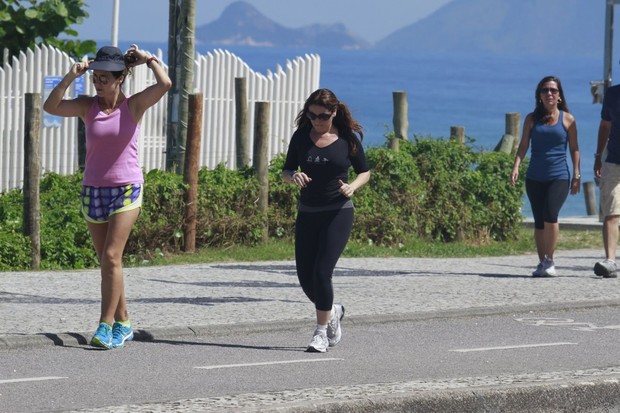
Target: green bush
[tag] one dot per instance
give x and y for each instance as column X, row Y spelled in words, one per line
column 282, row 202
column 227, row 208
column 14, row 247
column 431, row 189
column 438, row 190
column 496, row 205
column 160, row 225
column 65, row 241
column 467, row 195
column 227, row 212
column 388, row 206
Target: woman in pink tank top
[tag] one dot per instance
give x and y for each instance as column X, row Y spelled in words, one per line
column 112, row 185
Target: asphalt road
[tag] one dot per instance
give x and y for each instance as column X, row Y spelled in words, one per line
column 235, row 372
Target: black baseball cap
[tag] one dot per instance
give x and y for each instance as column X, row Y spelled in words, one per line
column 109, row 58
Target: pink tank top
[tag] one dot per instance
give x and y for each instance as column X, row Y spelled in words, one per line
column 111, row 147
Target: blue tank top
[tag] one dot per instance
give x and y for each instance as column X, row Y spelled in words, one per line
column 548, row 157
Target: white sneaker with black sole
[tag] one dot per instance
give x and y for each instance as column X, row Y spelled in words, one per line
column 319, row 343
column 334, row 330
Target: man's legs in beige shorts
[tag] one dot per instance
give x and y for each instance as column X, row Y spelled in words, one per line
column 610, row 207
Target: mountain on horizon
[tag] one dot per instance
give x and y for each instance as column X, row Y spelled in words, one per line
column 503, row 27
column 520, row 27
column 241, row 24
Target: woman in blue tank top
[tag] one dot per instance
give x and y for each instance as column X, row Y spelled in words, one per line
column 549, row 129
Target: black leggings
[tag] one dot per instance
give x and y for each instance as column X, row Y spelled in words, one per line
column 320, row 238
column 546, row 199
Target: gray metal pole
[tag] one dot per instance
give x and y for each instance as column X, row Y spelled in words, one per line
column 115, row 23
column 609, row 34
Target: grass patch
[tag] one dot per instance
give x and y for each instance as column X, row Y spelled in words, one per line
column 283, row 250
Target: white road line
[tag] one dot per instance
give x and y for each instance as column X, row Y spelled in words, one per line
column 470, row 350
column 266, row 363
column 30, row 379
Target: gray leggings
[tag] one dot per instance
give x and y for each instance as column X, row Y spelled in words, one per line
column 320, row 238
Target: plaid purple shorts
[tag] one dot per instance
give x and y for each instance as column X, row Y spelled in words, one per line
column 100, row 202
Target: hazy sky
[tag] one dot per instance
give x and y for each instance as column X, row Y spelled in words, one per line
column 147, row 20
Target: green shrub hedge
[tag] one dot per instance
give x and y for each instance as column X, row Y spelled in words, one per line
column 432, row 189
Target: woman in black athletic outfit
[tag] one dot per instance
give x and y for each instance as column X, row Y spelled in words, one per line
column 321, row 151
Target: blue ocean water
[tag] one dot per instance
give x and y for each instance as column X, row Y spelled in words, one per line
column 443, row 91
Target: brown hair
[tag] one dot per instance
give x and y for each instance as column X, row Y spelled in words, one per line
column 540, row 113
column 343, row 121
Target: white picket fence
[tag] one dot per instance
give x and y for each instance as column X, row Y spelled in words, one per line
column 214, row 76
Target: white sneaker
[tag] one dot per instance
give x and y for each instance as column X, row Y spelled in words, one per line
column 334, row 331
column 319, row 343
column 548, row 267
column 606, row 269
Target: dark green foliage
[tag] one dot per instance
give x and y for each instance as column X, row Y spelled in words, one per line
column 282, row 202
column 466, row 195
column 443, row 166
column 387, row 208
column 160, row 225
column 26, row 23
column 431, row 189
column 65, row 242
column 496, row 205
column 227, row 210
column 14, row 247
column 438, row 190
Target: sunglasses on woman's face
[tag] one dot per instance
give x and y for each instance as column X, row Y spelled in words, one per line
column 546, row 90
column 99, row 79
column 320, row 116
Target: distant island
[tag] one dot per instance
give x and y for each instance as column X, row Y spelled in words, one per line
column 242, row 24
column 518, row 27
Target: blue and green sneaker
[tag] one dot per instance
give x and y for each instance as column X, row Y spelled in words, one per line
column 121, row 332
column 102, row 337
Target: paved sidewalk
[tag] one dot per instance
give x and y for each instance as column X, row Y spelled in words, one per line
column 172, row 299
column 184, row 299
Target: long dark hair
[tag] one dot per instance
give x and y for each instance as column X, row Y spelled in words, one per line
column 343, row 121
column 540, row 114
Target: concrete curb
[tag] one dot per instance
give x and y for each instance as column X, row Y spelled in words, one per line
column 571, row 226
column 601, row 395
column 592, row 391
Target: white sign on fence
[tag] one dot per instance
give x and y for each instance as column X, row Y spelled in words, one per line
column 49, row 85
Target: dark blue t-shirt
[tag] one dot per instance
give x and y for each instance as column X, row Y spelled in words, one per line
column 611, row 112
column 548, row 159
column 325, row 166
